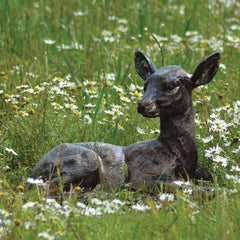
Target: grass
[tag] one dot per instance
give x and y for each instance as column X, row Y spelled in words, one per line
column 67, row 75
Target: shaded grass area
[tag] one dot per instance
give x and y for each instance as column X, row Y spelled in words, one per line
column 216, row 219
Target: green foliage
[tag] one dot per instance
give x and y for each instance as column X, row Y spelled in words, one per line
column 67, row 75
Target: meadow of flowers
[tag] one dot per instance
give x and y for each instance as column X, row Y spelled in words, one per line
column 67, row 75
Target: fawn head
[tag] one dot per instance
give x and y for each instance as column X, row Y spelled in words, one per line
column 168, row 90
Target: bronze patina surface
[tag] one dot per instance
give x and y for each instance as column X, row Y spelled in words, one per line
column 173, row 155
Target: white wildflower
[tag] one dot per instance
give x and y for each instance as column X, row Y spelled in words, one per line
column 236, row 150
column 57, row 105
column 90, row 105
column 96, row 201
column 28, row 205
column 155, row 131
column 11, row 151
column 35, row 181
column 140, row 130
column 221, row 160
column 87, row 119
column 49, row 41
column 90, row 211
column 79, row 13
column 207, row 139
column 70, row 106
column 209, row 153
column 236, row 178
column 29, row 224
column 118, row 202
column 81, row 205
column 125, row 99
column 167, row 196
column 46, row 235
column 235, row 169
column 140, row 207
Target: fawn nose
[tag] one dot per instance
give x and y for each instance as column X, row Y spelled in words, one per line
column 142, row 106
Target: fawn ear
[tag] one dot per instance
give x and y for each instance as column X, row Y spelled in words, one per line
column 206, row 70
column 144, row 66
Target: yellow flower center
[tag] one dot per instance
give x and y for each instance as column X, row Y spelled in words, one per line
column 31, row 111
column 57, row 105
column 136, row 94
column 14, row 107
column 78, row 188
column 20, row 187
column 17, row 221
column 21, row 113
column 6, row 96
column 89, row 84
column 79, row 85
column 37, row 89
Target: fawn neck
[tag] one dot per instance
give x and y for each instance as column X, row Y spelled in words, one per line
column 178, row 125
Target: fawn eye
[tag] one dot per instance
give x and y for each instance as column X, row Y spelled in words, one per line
column 170, row 87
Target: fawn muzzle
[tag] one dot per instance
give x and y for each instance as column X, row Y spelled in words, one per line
column 148, row 107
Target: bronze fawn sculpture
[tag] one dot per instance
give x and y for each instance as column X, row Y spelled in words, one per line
column 174, row 154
